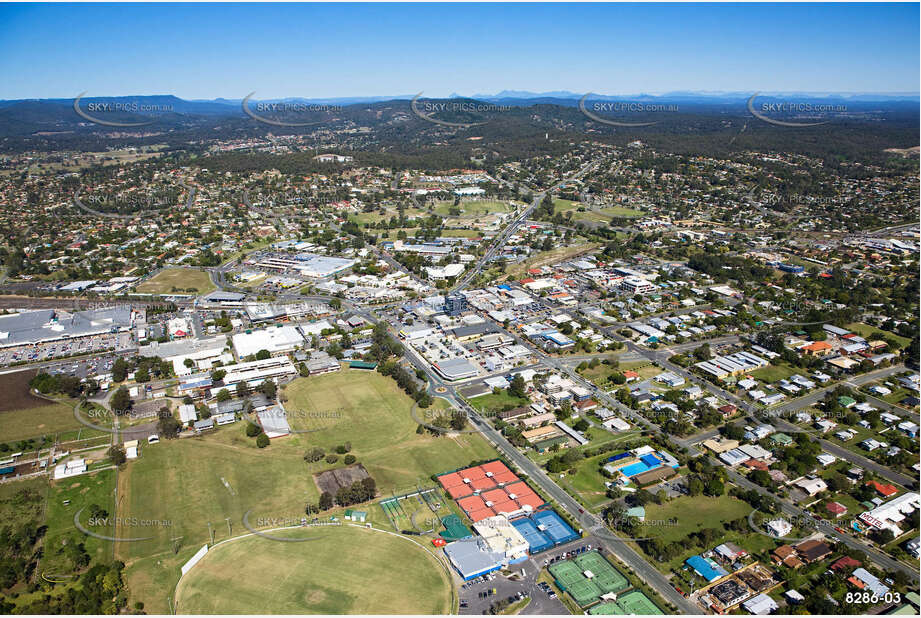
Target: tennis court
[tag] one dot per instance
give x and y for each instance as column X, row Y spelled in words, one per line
column 555, row 528
column 454, row 529
column 537, row 542
column 608, row 608
column 570, row 579
column 606, row 577
column 637, row 603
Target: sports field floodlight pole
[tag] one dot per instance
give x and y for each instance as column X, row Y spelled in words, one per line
column 229, row 526
column 211, row 533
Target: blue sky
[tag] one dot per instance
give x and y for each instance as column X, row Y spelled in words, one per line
column 338, row 50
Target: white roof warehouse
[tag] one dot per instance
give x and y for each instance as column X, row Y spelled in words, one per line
column 51, row 325
column 256, row 372
column 276, row 340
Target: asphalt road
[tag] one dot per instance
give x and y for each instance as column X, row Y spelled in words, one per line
column 509, row 229
column 878, row 557
column 643, row 569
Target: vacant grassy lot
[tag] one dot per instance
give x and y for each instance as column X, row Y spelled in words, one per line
column 461, row 233
column 564, row 205
column 32, row 423
column 65, row 499
column 549, row 257
column 23, row 502
column 494, row 402
column 600, row 374
column 696, row 513
column 177, row 280
column 867, row 331
column 773, row 373
column 348, row 570
column 604, row 215
column 473, row 208
column 588, row 481
column 373, row 414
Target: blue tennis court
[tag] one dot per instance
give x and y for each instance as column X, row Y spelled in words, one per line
column 554, row 527
column 537, row 542
column 543, row 530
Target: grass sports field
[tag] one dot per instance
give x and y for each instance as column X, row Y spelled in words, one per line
column 183, row 485
column 178, row 280
column 370, row 411
column 348, row 570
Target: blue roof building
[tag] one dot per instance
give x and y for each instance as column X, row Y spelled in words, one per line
column 707, row 569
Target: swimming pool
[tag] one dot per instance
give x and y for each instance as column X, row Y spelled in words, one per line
column 634, row 469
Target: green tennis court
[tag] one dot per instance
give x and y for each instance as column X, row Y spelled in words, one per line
column 571, row 580
column 608, row 608
column 454, row 528
column 606, row 577
column 637, row 603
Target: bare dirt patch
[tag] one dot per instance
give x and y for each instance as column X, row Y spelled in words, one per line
column 332, row 480
column 16, row 395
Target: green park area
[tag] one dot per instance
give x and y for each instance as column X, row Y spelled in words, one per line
column 472, row 208
column 871, row 332
column 689, row 514
column 178, row 281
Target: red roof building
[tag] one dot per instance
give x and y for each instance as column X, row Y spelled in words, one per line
column 755, row 464
column 884, row 489
column 845, row 564
column 836, row 508
column 817, row 348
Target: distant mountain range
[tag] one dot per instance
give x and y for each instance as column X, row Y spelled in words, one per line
column 508, row 97
column 711, row 122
